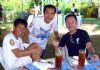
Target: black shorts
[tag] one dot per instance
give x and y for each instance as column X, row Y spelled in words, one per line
column 43, row 51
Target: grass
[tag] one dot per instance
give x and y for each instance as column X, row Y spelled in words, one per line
column 92, row 21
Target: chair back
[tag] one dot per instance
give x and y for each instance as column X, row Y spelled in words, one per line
column 65, row 52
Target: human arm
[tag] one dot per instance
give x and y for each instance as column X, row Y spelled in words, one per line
column 25, row 35
column 33, row 48
column 91, row 51
column 89, row 46
column 36, row 53
column 21, row 53
column 56, row 29
column 60, row 43
column 57, row 35
column 28, row 30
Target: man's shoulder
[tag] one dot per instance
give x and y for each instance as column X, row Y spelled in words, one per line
column 82, row 31
column 39, row 17
column 8, row 36
column 66, row 35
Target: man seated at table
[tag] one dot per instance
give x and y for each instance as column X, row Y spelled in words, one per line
column 76, row 39
column 14, row 54
column 42, row 27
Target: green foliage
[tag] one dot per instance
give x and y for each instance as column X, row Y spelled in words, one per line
column 17, row 4
column 89, row 11
column 31, row 4
column 67, row 10
column 11, row 5
column 12, row 8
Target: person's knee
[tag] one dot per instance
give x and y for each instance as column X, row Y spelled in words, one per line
column 34, row 44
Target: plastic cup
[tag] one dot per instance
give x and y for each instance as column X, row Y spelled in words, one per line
column 58, row 58
column 81, row 61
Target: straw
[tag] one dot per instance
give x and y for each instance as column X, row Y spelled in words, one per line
column 59, row 51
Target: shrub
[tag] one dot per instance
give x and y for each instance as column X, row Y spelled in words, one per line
column 90, row 11
column 67, row 10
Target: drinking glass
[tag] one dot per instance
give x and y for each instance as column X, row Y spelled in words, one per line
column 82, row 56
column 58, row 58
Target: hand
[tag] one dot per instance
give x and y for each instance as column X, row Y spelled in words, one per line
column 54, row 43
column 34, row 48
column 58, row 39
column 36, row 53
column 37, row 50
column 35, row 56
column 95, row 57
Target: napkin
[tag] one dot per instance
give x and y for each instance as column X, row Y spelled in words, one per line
column 97, row 65
column 31, row 67
column 74, row 60
column 42, row 64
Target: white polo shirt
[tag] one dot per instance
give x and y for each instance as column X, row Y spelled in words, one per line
column 10, row 59
column 40, row 31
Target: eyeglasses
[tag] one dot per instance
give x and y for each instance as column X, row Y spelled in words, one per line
column 71, row 39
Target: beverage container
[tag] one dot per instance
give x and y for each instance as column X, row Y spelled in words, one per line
column 81, row 61
column 58, row 58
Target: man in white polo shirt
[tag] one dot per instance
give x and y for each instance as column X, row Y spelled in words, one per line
column 14, row 54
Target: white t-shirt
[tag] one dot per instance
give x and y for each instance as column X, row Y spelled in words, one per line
column 40, row 31
column 10, row 59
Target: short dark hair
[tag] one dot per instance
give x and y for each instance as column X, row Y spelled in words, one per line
column 49, row 6
column 69, row 15
column 20, row 21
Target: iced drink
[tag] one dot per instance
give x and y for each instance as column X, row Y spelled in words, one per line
column 81, row 61
column 58, row 58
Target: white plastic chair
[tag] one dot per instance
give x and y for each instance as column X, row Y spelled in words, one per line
column 65, row 52
column 65, row 55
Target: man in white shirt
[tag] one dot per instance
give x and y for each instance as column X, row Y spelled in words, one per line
column 14, row 53
column 73, row 8
column 42, row 27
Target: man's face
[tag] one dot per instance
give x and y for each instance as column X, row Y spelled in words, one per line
column 49, row 15
column 19, row 29
column 71, row 23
